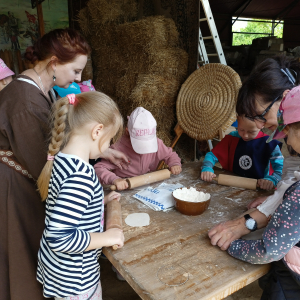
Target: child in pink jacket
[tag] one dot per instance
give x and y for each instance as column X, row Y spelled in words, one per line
column 143, row 149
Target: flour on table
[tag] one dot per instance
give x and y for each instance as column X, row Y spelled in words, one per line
column 137, row 220
column 190, row 195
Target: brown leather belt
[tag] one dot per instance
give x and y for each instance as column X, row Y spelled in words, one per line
column 7, row 157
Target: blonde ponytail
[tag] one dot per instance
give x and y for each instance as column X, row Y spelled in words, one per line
column 59, row 138
column 87, row 107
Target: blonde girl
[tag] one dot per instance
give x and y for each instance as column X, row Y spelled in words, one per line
column 83, row 127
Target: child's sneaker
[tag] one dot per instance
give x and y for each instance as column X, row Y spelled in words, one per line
column 119, row 276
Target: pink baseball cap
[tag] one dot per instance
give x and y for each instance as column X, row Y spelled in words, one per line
column 142, row 130
column 288, row 113
column 4, row 70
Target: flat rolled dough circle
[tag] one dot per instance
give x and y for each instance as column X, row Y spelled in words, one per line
column 137, row 220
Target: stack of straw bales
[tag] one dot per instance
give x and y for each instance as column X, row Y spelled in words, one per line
column 137, row 63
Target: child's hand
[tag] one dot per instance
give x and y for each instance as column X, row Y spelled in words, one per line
column 207, row 176
column 175, row 170
column 121, row 184
column 256, row 202
column 114, row 236
column 265, row 184
column 112, row 196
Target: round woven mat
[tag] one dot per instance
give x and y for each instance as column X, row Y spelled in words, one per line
column 206, row 101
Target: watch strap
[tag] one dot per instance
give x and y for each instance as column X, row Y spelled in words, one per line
column 247, row 217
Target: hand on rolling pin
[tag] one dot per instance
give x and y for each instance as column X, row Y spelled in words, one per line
column 256, row 202
column 114, row 236
column 265, row 184
column 121, row 184
column 207, row 176
column 175, row 170
column 108, row 238
column 111, row 196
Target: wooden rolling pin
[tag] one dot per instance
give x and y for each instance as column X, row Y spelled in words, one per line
column 241, row 182
column 148, row 178
column 114, row 216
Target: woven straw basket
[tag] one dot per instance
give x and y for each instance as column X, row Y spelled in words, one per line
column 206, row 101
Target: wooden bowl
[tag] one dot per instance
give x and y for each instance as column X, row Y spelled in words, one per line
column 191, row 208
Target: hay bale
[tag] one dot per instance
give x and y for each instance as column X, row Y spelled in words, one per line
column 156, row 90
column 107, row 11
column 170, row 62
column 84, row 22
column 171, row 32
column 185, row 148
column 137, row 63
column 146, row 35
column 104, row 37
column 87, row 72
column 125, row 85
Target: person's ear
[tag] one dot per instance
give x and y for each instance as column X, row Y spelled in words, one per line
column 53, row 62
column 97, row 131
column 285, row 93
column 4, row 81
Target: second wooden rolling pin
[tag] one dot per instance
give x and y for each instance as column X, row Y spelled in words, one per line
column 113, row 216
column 148, row 178
column 240, row 182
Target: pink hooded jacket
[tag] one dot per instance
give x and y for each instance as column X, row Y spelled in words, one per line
column 139, row 163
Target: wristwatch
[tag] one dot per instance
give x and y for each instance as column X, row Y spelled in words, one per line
column 250, row 223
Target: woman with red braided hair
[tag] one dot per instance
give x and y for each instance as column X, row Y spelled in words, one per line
column 25, row 106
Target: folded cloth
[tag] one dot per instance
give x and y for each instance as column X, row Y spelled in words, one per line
column 159, row 198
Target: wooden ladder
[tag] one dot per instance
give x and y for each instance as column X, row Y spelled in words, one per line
column 203, row 56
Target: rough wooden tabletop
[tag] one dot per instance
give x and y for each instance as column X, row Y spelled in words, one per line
column 172, row 258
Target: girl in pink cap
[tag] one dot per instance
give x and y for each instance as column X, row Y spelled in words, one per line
column 142, row 147
column 5, row 75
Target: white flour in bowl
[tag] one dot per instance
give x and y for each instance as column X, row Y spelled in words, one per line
column 190, row 195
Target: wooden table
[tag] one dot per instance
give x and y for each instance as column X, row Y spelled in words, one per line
column 172, row 258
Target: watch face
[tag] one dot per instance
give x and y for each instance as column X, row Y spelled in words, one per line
column 250, row 224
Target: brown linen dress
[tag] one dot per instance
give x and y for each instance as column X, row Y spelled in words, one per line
column 24, row 129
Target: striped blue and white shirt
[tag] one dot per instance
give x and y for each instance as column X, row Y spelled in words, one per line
column 74, row 207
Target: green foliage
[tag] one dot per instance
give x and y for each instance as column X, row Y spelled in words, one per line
column 259, row 27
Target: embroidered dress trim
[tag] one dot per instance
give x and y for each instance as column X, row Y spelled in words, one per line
column 7, row 157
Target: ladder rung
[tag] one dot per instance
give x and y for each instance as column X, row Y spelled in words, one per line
column 212, row 54
column 207, row 37
column 203, row 19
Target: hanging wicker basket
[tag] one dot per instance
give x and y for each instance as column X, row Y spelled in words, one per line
column 206, row 101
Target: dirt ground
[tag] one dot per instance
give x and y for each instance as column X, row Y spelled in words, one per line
column 114, row 289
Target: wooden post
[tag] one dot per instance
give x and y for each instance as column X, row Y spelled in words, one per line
column 40, row 19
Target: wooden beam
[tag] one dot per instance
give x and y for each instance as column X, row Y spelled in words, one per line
column 285, row 12
column 246, row 5
column 40, row 19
